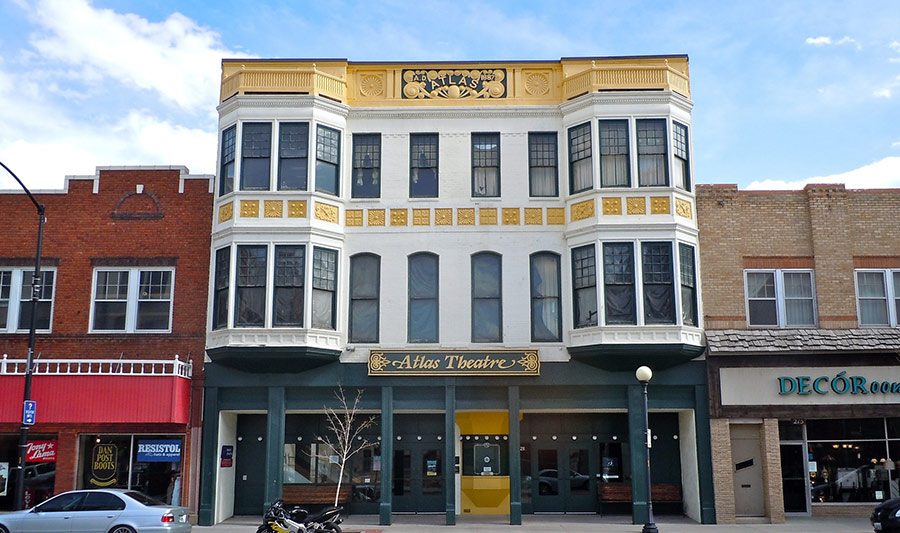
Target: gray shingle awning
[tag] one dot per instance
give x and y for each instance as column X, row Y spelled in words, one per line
column 740, row 341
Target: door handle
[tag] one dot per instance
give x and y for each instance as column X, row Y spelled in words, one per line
column 110, row 516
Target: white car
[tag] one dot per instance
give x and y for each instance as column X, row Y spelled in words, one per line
column 98, row 511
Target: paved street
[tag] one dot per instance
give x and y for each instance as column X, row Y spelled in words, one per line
column 558, row 523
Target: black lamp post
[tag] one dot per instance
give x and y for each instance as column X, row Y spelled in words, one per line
column 36, row 285
column 644, row 374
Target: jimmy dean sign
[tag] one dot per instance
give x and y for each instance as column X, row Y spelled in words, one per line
column 454, row 83
column 454, row 363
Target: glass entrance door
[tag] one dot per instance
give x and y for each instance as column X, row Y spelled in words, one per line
column 793, row 478
column 563, row 481
column 418, row 485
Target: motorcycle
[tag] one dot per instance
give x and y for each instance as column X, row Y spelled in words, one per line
column 277, row 519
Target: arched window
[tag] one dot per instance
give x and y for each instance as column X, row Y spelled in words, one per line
column 487, row 309
column 546, row 321
column 365, row 280
column 422, row 323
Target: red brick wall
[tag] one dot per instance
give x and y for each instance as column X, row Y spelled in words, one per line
column 81, row 226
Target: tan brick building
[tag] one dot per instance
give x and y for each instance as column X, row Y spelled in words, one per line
column 801, row 304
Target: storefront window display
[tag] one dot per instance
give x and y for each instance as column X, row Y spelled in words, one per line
column 40, row 469
column 147, row 463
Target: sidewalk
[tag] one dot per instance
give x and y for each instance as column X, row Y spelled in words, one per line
column 557, row 524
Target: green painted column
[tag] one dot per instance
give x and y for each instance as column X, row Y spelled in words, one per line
column 206, row 512
column 274, row 445
column 387, row 454
column 637, row 441
column 450, row 453
column 515, row 464
column 704, row 455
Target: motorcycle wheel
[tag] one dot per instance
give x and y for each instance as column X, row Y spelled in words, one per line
column 331, row 526
column 263, row 529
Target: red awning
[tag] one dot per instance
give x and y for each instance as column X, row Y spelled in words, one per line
column 98, row 398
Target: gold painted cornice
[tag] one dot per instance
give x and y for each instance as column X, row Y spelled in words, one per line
column 475, row 83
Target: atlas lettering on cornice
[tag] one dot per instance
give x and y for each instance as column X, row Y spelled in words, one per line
column 454, row 83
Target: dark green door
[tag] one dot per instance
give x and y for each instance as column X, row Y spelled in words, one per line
column 418, row 484
column 564, row 478
column 546, row 487
column 250, row 465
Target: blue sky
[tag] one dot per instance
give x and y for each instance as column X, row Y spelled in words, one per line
column 785, row 92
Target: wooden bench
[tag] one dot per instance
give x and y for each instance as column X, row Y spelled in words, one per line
column 308, row 495
column 617, row 495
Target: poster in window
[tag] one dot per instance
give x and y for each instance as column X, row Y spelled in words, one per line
column 431, row 467
column 4, row 478
column 104, row 465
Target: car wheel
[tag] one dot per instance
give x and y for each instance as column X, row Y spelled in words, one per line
column 121, row 529
column 3, row 529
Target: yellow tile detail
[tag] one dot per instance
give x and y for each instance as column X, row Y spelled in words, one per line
column 556, row 215
column 487, row 216
column 326, row 212
column 249, row 208
column 353, row 217
column 376, row 217
column 659, row 205
column 511, row 216
column 583, row 210
column 443, row 217
column 465, row 216
column 612, row 206
column 683, row 208
column 534, row 216
column 296, row 208
column 421, row 217
column 637, row 205
column 273, row 208
column 398, row 217
column 226, row 212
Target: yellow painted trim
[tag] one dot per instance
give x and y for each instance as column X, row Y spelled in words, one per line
column 637, row 205
column 296, row 208
column 556, row 216
column 326, row 212
column 612, row 206
column 534, row 216
column 399, row 217
column 226, row 212
column 511, row 216
column 353, row 217
column 249, row 208
column 273, row 208
column 583, row 210
column 465, row 216
column 487, row 216
column 659, row 205
column 376, row 217
column 443, row 217
column 683, row 208
column 421, row 217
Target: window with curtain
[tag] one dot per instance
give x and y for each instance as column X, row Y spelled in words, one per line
column 328, row 156
column 581, row 177
column 486, row 164
column 542, row 164
column 423, row 165
column 15, row 300
column 658, row 287
column 288, row 298
column 256, row 156
column 618, row 283
column 226, row 168
column 423, row 298
column 875, row 289
column 584, row 286
column 688, row 284
column 651, row 147
column 614, row 160
column 250, row 286
column 220, row 294
column 5, row 293
column 487, row 309
column 681, row 174
column 546, row 319
column 293, row 156
column 780, row 298
column 324, row 288
column 366, row 178
column 365, row 278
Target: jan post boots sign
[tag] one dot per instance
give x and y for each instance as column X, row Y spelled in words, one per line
column 104, row 465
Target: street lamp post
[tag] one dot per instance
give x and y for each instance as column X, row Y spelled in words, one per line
column 36, row 286
column 644, row 374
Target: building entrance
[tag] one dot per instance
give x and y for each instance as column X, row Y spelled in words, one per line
column 563, row 476
column 418, row 473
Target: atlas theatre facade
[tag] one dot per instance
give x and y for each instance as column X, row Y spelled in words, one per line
column 487, row 251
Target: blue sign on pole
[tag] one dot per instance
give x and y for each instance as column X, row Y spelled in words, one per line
column 29, row 413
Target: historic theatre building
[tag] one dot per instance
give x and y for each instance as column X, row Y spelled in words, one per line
column 802, row 296
column 488, row 251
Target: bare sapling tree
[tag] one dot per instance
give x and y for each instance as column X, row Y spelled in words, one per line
column 347, row 428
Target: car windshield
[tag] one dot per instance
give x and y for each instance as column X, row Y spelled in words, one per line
column 144, row 499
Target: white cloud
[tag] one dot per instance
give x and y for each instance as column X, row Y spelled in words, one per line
column 895, row 144
column 818, row 41
column 825, row 40
column 884, row 173
column 177, row 58
column 882, row 93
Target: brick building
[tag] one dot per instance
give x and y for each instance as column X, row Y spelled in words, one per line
column 120, row 332
column 801, row 304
